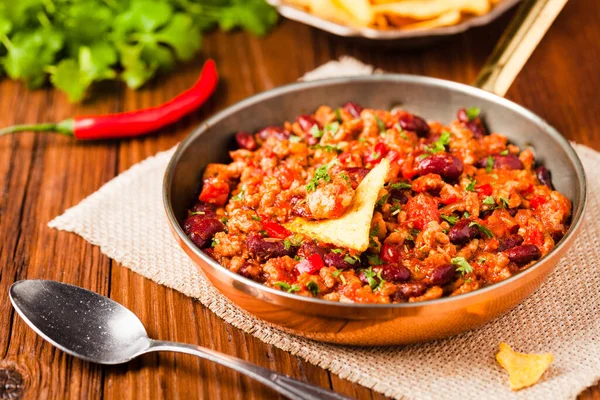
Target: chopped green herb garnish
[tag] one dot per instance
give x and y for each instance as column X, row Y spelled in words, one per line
column 382, row 200
column 224, row 220
column 351, row 259
column 313, row 287
column 504, row 202
column 338, row 114
column 414, row 232
column 398, row 127
column 321, row 174
column 489, row 164
column 255, row 217
column 345, row 177
column 395, row 209
column 197, row 213
column 214, row 242
column 380, row 124
column 375, row 156
column 332, row 128
column 422, row 156
column 481, row 261
column 287, row 287
column 471, row 186
column 362, row 140
column 337, row 273
column 504, row 153
column 483, row 229
column 463, row 266
column 466, row 214
column 370, row 275
column 297, row 258
column 440, row 144
column 473, row 113
column 295, row 241
column 337, row 251
column 451, row 219
column 489, row 201
column 400, row 186
column 374, row 259
column 374, row 231
column 295, row 139
column 239, row 196
column 315, row 131
column 327, row 147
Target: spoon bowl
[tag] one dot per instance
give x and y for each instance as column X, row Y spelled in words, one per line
column 95, row 328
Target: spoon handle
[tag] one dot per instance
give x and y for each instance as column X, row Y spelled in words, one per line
column 285, row 385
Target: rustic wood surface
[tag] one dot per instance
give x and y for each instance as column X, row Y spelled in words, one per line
column 41, row 175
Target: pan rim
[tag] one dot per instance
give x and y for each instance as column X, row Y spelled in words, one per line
column 425, row 81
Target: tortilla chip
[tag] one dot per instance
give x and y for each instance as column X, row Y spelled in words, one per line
column 447, row 19
column 360, row 10
column 428, row 9
column 351, row 230
column 523, row 369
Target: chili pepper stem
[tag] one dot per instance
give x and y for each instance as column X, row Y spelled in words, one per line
column 64, row 128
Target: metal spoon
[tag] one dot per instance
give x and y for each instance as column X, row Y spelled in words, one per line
column 95, row 328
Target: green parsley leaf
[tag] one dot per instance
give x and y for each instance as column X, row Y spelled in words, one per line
column 332, row 128
column 481, row 260
column 380, row 124
column 321, row 174
column 440, row 144
column 504, row 153
column 351, row 259
column 197, row 213
column 315, row 131
column 400, row 186
column 504, row 202
column 489, row 201
column 313, row 287
column 338, row 114
column 473, row 113
column 398, row 127
column 463, row 266
column 327, row 147
column 337, row 273
column 337, row 251
column 239, row 196
column 214, row 242
column 382, row 200
column 483, row 229
column 295, row 139
column 471, row 186
column 224, row 220
column 375, row 259
column 374, row 231
column 451, row 219
column 255, row 217
column 489, row 164
column 295, row 241
column 287, row 287
column 370, row 275
column 466, row 214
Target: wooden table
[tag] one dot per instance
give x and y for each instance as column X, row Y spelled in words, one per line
column 42, row 175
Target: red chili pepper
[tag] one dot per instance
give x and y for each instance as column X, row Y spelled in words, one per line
column 214, row 191
column 310, row 265
column 274, row 230
column 485, row 190
column 537, row 201
column 134, row 123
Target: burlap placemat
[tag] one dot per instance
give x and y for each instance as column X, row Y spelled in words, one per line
column 126, row 219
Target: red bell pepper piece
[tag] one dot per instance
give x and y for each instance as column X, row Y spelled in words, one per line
column 310, row 265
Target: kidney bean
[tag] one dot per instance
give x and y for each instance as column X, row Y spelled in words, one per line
column 336, row 260
column 276, row 131
column 556, row 236
column 300, row 207
column 524, row 254
column 309, row 247
column 502, row 162
column 395, row 273
column 443, row 274
column 513, row 212
column 462, row 233
column 353, row 108
column 483, row 214
column 445, row 165
column 390, row 254
column 263, row 248
column 414, row 123
column 201, row 229
column 399, row 195
column 411, row 289
column 356, row 175
column 245, row 141
column 208, row 210
column 251, row 272
column 462, row 116
column 510, row 242
column 544, row 176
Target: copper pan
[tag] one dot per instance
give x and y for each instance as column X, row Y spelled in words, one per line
column 365, row 324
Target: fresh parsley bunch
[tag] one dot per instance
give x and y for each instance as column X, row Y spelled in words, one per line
column 79, row 42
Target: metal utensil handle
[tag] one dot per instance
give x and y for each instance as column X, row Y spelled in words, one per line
column 283, row 384
column 519, row 40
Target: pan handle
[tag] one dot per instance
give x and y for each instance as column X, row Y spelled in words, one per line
column 519, row 40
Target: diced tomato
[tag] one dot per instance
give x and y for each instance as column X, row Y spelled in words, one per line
column 408, row 170
column 214, row 191
column 537, row 201
column 310, row 265
column 421, row 210
column 274, row 230
column 534, row 237
column 374, row 157
column 390, row 254
column 449, row 200
column 484, row 190
column 528, row 190
column 392, row 155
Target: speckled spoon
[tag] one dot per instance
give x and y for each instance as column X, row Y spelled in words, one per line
column 95, row 328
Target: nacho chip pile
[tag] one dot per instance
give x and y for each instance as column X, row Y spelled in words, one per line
column 523, row 369
column 396, row 14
